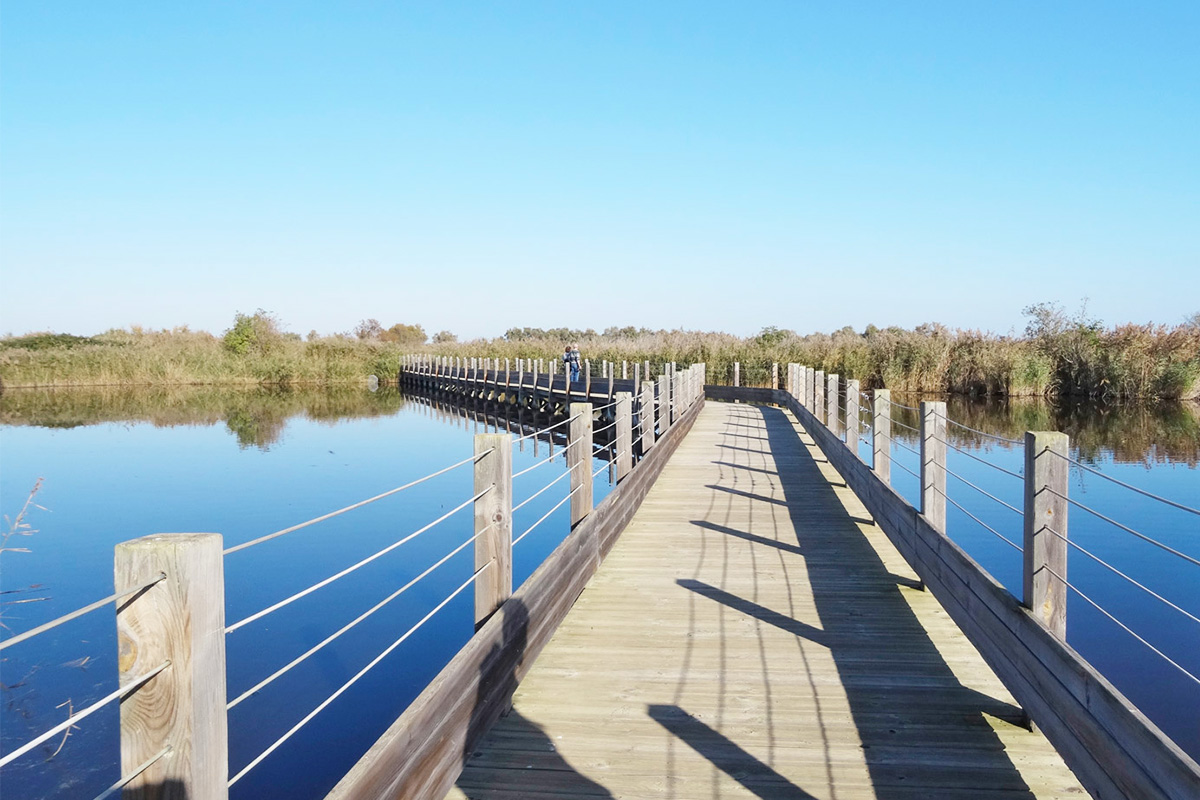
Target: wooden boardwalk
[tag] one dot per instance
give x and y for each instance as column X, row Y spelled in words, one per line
column 753, row 634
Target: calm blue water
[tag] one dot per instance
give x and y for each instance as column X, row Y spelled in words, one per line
column 118, row 465
column 1156, row 452
column 236, row 464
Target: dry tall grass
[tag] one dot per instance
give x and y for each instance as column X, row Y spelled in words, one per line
column 1129, row 361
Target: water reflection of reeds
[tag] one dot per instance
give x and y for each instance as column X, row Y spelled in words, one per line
column 1130, row 433
column 257, row 416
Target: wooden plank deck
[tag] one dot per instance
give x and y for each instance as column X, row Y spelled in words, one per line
column 753, row 634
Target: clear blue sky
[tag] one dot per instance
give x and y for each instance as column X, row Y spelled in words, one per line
column 474, row 167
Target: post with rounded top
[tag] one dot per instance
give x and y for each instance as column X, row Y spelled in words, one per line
column 179, row 621
column 647, row 415
column 1045, row 547
column 493, row 523
column 579, row 460
column 624, row 430
column 852, row 396
column 832, row 420
column 933, row 463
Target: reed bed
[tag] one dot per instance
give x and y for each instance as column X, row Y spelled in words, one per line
column 1125, row 362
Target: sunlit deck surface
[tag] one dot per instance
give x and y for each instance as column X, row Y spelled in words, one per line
column 753, row 634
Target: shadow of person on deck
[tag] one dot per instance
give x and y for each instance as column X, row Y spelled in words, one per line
column 506, row 755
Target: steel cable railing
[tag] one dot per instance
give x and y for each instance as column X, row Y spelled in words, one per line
column 1122, row 625
column 981, row 433
column 527, row 500
column 292, row 731
column 546, row 516
column 321, row 584
column 119, row 694
column 1125, row 528
column 1142, row 492
column 350, row 625
column 989, row 528
column 985, row 462
column 984, row 492
column 54, row 623
column 1118, row 572
column 360, row 504
column 547, row 428
column 138, row 770
column 537, row 464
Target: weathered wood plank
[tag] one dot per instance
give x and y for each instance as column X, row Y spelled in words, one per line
column 753, row 634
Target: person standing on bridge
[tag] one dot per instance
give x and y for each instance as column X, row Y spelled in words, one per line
column 571, row 361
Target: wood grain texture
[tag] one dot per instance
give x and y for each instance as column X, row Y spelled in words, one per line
column 1113, row 749
column 422, row 753
column 181, row 620
column 493, row 523
column 1045, row 555
column 753, row 634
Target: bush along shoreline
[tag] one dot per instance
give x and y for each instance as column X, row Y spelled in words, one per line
column 1056, row 357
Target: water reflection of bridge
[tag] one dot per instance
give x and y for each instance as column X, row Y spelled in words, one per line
column 765, row 616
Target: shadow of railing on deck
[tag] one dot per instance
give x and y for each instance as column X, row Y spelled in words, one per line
column 515, row 742
column 906, row 703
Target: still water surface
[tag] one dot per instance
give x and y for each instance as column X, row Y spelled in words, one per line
column 118, row 464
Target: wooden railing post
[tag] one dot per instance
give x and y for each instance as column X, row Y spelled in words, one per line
column 933, row 463
column 663, row 404
column 637, row 378
column 852, row 423
column 818, row 407
column 579, row 460
column 180, row 620
column 624, row 429
column 811, row 389
column 647, row 415
column 1045, row 511
column 775, row 376
column 832, row 420
column 493, row 523
column 881, row 436
column 737, row 373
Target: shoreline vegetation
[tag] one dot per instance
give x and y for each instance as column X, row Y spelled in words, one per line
column 258, row 415
column 1059, row 355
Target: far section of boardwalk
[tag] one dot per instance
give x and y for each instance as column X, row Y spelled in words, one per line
column 753, row 634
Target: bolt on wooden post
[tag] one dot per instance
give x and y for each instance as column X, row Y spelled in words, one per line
column 180, row 620
column 852, row 396
column 1046, row 515
column 933, row 463
column 579, row 460
column 493, row 523
column 624, row 430
column 881, row 436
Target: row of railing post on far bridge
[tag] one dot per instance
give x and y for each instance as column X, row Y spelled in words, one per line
column 841, row 405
